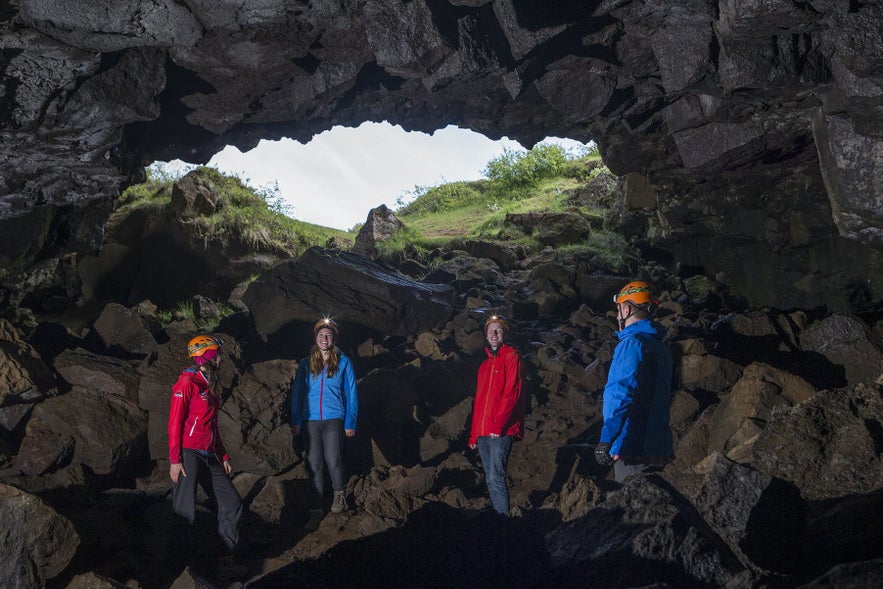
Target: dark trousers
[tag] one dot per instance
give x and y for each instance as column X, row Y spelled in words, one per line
column 324, row 441
column 494, row 454
column 198, row 466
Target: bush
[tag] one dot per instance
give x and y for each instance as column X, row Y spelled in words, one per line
column 515, row 172
column 437, row 199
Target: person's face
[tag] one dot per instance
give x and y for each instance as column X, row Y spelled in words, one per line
column 324, row 339
column 496, row 334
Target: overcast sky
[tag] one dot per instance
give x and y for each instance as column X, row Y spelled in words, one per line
column 341, row 174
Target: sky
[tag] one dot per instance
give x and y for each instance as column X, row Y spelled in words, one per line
column 341, row 174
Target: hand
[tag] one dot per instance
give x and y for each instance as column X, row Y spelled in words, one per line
column 349, row 432
column 295, row 430
column 473, row 446
column 494, row 435
column 227, row 468
column 602, row 454
column 176, row 469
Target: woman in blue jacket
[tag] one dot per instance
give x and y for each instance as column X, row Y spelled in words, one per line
column 324, row 406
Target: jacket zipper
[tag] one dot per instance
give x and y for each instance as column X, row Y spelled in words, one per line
column 321, row 393
column 193, row 427
column 487, row 395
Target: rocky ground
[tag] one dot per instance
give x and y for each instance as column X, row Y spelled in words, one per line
column 778, row 418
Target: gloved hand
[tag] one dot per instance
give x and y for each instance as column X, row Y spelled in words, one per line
column 602, row 454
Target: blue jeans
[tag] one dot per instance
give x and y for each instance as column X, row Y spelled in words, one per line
column 494, row 454
column 324, row 441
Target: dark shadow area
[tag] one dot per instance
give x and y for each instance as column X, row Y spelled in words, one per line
column 437, row 547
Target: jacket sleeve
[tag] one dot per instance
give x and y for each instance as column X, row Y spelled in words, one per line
column 509, row 395
column 621, row 388
column 180, row 404
column 352, row 399
column 298, row 390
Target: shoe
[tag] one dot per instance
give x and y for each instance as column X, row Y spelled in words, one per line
column 339, row 503
column 314, row 518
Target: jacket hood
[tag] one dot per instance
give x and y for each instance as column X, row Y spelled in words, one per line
column 642, row 326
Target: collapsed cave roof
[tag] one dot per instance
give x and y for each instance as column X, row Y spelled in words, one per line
column 754, row 129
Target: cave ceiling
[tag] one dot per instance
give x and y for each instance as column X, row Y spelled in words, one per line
column 757, row 121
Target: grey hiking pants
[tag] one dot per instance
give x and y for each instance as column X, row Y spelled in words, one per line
column 324, row 441
column 204, row 466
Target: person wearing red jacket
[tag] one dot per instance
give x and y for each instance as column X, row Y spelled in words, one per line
column 498, row 410
column 195, row 446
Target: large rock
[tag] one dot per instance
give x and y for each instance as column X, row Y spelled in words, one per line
column 643, row 533
column 843, row 341
column 828, row 446
column 381, row 225
column 253, row 421
column 23, row 375
column 351, row 289
column 102, row 374
column 122, row 328
column 37, row 543
column 109, row 432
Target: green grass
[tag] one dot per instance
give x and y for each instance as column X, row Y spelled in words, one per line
column 254, row 217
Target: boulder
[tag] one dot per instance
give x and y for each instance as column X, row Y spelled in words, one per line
column 445, row 431
column 37, row 542
column 746, row 409
column 23, row 375
column 708, row 373
column 45, row 450
column 381, row 225
column 553, row 229
column 102, row 374
column 465, row 272
column 122, row 328
column 193, row 195
column 761, row 518
column 253, row 420
column 109, row 432
column 843, row 340
column 503, row 255
column 828, row 445
column 644, row 530
column 351, row 289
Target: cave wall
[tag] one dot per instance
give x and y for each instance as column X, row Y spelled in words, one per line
column 757, row 124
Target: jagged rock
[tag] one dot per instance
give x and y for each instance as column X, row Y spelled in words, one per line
column 448, row 429
column 23, row 375
column 192, row 195
column 827, row 445
column 353, row 289
column 553, row 229
column 38, row 543
column 93, row 581
column 708, row 372
column 251, row 422
column 648, row 531
column 579, row 495
column 45, row 450
column 427, row 345
column 465, row 272
column 120, row 327
column 505, row 256
column 109, row 432
column 381, row 225
column 758, row 516
column 552, row 288
column 102, row 374
column 745, row 410
column 844, row 342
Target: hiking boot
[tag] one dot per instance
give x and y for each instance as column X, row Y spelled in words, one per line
column 339, row 503
column 314, row 518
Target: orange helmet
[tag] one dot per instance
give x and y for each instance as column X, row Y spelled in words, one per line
column 326, row 322
column 202, row 345
column 638, row 292
column 496, row 319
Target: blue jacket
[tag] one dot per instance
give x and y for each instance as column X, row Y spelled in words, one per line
column 321, row 397
column 638, row 393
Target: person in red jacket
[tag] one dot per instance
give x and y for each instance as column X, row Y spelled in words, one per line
column 498, row 410
column 195, row 446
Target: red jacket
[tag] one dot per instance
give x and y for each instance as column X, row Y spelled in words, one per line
column 499, row 406
column 193, row 417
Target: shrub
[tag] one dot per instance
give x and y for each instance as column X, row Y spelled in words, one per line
column 437, row 199
column 514, row 173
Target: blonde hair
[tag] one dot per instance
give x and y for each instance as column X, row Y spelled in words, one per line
column 317, row 362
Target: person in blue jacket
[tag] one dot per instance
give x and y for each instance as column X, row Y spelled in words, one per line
column 636, row 434
column 324, row 407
